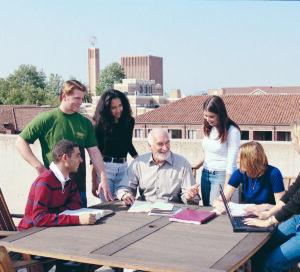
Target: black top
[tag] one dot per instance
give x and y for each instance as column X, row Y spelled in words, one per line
column 118, row 142
column 292, row 202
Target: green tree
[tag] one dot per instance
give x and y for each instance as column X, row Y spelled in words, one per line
column 15, row 97
column 33, row 95
column 27, row 85
column 112, row 73
column 54, row 84
column 27, row 75
column 4, row 90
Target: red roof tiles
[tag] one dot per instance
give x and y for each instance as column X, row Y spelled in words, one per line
column 19, row 115
column 243, row 109
column 266, row 89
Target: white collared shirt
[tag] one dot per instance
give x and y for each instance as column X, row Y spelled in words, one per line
column 167, row 182
column 59, row 175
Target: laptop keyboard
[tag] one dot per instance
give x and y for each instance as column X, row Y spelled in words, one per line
column 238, row 221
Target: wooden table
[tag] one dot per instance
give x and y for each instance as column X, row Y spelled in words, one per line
column 139, row 241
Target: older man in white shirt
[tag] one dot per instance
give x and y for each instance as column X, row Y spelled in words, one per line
column 161, row 175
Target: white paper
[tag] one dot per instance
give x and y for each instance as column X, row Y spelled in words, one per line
column 238, row 209
column 99, row 213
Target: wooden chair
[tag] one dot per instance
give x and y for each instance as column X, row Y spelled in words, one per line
column 288, row 181
column 7, row 225
column 6, row 265
column 7, row 228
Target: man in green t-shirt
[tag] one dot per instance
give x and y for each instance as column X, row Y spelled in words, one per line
column 65, row 122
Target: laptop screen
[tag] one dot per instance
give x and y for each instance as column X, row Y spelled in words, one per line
column 226, row 205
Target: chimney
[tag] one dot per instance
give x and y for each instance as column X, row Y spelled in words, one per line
column 9, row 128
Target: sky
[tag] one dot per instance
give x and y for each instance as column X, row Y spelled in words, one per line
column 204, row 44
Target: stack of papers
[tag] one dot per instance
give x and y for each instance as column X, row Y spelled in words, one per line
column 99, row 213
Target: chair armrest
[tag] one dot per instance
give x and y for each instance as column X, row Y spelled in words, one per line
column 17, row 215
column 25, row 264
column 6, row 233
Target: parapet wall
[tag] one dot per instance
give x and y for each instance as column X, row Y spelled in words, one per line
column 17, row 175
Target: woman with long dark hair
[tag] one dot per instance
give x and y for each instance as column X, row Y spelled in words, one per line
column 221, row 143
column 113, row 128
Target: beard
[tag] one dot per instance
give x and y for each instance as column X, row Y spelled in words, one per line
column 162, row 156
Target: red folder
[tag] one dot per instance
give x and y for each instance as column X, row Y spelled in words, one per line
column 192, row 216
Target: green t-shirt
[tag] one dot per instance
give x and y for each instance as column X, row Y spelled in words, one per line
column 52, row 126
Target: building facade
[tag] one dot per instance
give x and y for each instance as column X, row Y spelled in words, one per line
column 143, row 95
column 139, row 87
column 144, row 68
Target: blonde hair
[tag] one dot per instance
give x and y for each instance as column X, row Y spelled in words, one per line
column 296, row 128
column 68, row 87
column 253, row 159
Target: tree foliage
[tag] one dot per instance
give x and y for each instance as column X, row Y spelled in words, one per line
column 29, row 86
column 112, row 73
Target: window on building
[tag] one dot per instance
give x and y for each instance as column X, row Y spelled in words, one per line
column 138, row 133
column 284, row 136
column 150, row 90
column 262, row 135
column 245, row 135
column 175, row 133
column 141, row 89
column 192, row 134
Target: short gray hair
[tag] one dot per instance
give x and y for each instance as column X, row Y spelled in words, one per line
column 153, row 131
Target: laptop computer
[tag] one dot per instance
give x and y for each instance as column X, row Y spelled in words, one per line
column 237, row 221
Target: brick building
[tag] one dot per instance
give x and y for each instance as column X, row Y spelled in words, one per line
column 143, row 67
column 14, row 118
column 260, row 117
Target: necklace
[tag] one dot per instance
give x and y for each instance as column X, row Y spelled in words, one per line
column 253, row 185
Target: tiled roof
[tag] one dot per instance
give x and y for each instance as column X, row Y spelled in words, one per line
column 19, row 115
column 267, row 89
column 243, row 109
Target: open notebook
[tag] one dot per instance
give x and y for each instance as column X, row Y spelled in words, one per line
column 147, row 206
column 99, row 213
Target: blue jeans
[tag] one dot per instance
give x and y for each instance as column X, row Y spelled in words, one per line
column 115, row 173
column 210, row 185
column 282, row 250
column 83, row 198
